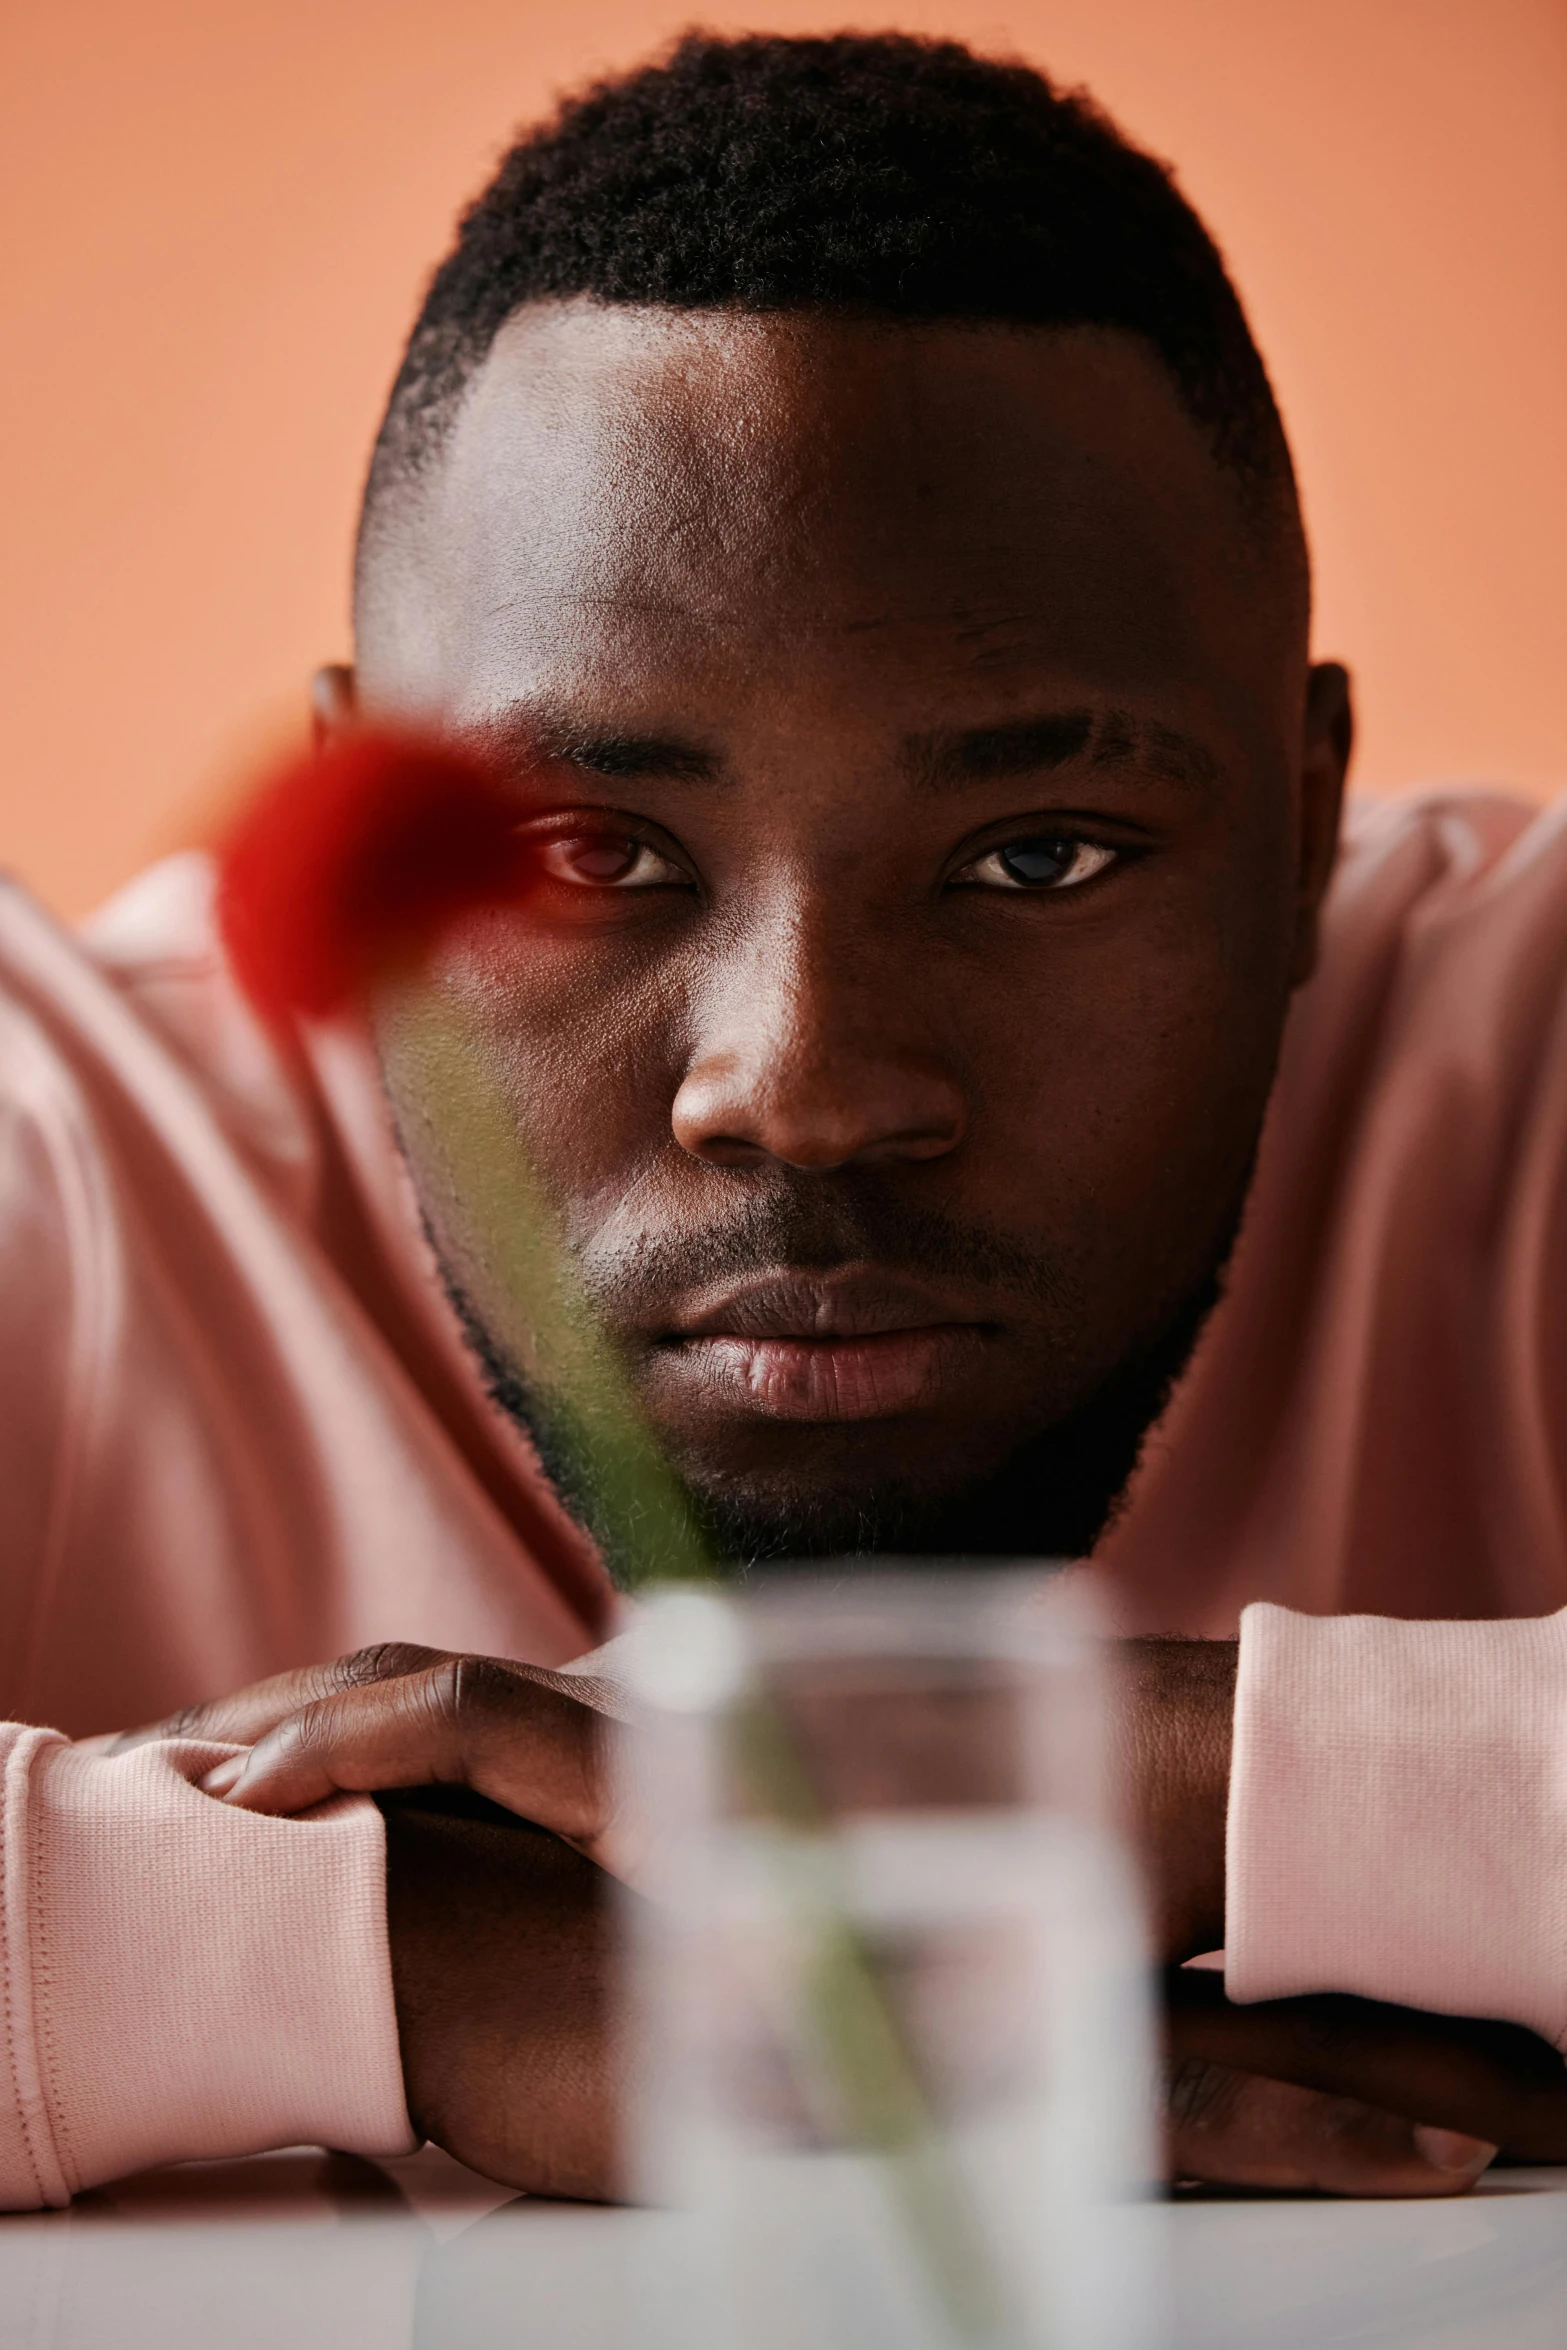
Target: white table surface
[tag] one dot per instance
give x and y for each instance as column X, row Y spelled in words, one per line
column 305, row 2251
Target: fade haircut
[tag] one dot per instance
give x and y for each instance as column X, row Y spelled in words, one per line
column 871, row 174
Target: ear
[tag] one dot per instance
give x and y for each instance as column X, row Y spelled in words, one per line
column 1329, row 738
column 334, row 702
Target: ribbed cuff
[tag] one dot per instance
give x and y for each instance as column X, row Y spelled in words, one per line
column 183, row 1979
column 1398, row 1814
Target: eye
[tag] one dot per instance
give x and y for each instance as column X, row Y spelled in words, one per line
column 1042, row 862
column 604, row 860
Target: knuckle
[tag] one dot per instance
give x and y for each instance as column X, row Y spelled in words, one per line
column 382, row 1660
column 446, row 1693
column 313, row 1730
column 331, row 1726
column 537, row 1720
column 482, row 1688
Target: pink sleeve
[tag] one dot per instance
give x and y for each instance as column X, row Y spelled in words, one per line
column 179, row 1979
column 1398, row 1814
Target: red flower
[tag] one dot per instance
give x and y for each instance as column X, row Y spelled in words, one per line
column 354, row 860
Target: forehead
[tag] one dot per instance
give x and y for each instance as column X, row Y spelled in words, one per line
column 756, row 501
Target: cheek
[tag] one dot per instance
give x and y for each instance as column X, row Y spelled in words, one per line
column 1123, row 1093
column 582, row 1035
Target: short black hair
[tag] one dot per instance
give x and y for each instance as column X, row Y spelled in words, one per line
column 879, row 174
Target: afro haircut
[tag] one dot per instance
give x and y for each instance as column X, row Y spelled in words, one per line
column 878, row 174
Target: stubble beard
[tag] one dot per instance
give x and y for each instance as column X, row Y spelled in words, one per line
column 1053, row 1496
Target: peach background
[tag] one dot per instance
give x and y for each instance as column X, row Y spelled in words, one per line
column 216, row 215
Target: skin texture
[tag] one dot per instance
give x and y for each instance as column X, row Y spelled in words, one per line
column 501, row 1937
column 876, row 1164
column 1175, row 1717
column 527, row 2087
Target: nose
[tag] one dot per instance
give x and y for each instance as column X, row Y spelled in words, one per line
column 812, row 1052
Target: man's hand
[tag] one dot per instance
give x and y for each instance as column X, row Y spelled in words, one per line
column 532, row 1740
column 397, row 1715
column 1349, row 2096
column 501, row 1936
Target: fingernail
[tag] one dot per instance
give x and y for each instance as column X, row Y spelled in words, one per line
column 225, row 1776
column 1450, row 2150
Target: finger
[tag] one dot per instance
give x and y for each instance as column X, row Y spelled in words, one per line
column 1239, row 2130
column 249, row 1713
column 527, row 1740
column 1487, row 2080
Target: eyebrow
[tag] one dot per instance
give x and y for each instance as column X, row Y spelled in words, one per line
column 601, row 750
column 1103, row 738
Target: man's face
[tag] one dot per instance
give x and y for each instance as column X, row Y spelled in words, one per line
column 936, row 821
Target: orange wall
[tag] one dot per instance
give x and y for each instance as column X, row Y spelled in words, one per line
column 215, row 215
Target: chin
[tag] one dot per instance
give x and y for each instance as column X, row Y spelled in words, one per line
column 792, row 1490
column 752, row 1522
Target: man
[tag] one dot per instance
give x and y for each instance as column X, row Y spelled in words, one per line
column 848, row 461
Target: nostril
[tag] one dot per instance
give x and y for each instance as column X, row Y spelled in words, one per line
column 722, row 1150
column 817, row 1111
column 820, row 1154
column 820, row 1148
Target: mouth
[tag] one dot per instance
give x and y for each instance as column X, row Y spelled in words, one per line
column 858, row 1345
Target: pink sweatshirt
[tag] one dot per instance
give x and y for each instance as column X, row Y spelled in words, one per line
column 240, row 1432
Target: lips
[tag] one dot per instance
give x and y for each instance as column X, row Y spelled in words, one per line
column 847, row 1346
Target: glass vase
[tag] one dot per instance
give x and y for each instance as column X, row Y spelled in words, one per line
column 892, row 2051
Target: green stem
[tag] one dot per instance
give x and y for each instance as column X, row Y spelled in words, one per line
column 657, row 1540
